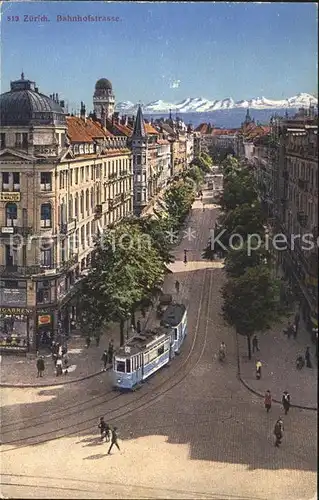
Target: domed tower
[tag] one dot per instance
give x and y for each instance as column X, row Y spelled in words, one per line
column 103, row 97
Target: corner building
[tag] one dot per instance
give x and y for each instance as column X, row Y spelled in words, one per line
column 63, row 179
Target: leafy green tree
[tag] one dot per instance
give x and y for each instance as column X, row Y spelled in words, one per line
column 237, row 261
column 202, row 161
column 178, row 200
column 245, row 219
column 252, row 302
column 196, row 174
column 126, row 268
column 239, row 189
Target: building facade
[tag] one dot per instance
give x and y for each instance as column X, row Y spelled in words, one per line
column 63, row 179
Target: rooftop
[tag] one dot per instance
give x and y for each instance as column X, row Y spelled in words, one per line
column 143, row 341
column 173, row 315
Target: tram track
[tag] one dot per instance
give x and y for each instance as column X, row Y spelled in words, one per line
column 136, row 404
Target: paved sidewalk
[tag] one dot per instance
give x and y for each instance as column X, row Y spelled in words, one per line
column 20, row 371
column 279, row 373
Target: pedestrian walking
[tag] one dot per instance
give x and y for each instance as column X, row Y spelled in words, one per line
column 307, row 358
column 97, row 340
column 255, row 343
column 258, row 369
column 138, row 326
column 102, row 426
column 294, row 330
column 104, row 359
column 185, row 256
column 286, row 401
column 278, row 431
column 88, row 341
column 177, row 286
column 114, row 438
column 268, row 400
column 40, row 366
column 58, row 367
column 110, row 351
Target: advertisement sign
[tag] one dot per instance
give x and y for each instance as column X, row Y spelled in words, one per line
column 9, row 196
column 7, row 230
column 15, row 311
column 13, row 297
column 44, row 319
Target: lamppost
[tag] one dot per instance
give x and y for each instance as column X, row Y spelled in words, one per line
column 127, row 326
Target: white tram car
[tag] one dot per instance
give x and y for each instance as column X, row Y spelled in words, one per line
column 149, row 351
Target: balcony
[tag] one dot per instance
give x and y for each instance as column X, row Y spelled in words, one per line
column 68, row 227
column 8, row 231
column 117, row 200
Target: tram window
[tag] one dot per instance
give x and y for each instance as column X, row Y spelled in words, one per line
column 166, row 345
column 146, row 358
column 153, row 354
column 128, row 366
column 120, row 366
column 175, row 333
column 160, row 350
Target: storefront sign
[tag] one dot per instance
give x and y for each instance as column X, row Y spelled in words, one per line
column 19, row 311
column 13, row 296
column 7, row 230
column 44, row 319
column 5, row 196
column 12, row 348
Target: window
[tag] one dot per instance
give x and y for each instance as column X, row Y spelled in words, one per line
column 87, row 200
column 120, row 366
column 5, row 181
column 76, row 205
column 76, row 176
column 46, row 181
column 82, row 237
column 128, row 366
column 153, row 354
column 3, row 141
column 82, row 203
column 62, row 140
column 46, row 220
column 46, row 257
column 11, row 214
column 138, row 160
column 82, row 174
column 43, row 292
column 21, row 140
column 160, row 350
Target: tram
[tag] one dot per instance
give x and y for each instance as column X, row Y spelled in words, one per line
column 147, row 352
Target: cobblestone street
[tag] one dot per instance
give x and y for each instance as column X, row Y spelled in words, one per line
column 207, row 437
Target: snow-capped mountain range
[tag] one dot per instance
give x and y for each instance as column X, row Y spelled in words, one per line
column 201, row 105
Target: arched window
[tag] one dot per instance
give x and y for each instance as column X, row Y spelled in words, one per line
column 87, row 200
column 70, row 214
column 11, row 214
column 82, row 203
column 46, row 215
column 76, row 205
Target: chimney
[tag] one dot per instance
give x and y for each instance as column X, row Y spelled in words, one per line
column 56, row 98
column 82, row 111
column 36, row 89
column 62, row 104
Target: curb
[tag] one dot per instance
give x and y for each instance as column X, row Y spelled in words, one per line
column 22, row 386
column 259, row 394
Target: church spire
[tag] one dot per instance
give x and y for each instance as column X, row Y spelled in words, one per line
column 139, row 126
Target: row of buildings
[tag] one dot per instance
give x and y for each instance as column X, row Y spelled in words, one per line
column 63, row 180
column 284, row 158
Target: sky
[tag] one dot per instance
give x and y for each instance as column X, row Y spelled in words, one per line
column 166, row 51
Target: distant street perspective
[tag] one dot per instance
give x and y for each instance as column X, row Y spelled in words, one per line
column 158, row 278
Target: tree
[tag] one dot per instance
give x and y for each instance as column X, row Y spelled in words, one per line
column 252, row 302
column 239, row 189
column 126, row 268
column 178, row 200
column 203, row 161
column 196, row 174
column 237, row 261
column 245, row 219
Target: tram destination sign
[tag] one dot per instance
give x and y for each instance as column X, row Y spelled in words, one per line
column 10, row 196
